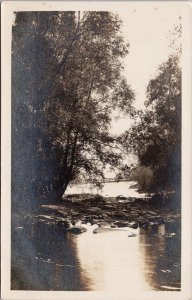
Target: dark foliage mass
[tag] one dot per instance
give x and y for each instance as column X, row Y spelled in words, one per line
column 66, row 81
column 156, row 135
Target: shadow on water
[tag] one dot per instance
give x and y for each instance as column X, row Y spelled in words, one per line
column 48, row 259
column 161, row 247
column 45, row 259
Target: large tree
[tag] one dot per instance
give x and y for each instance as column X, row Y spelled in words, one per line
column 156, row 135
column 32, row 66
column 66, row 82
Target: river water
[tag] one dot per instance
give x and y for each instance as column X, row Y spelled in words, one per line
column 111, row 260
column 110, row 189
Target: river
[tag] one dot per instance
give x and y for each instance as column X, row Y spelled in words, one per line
column 113, row 260
column 109, row 189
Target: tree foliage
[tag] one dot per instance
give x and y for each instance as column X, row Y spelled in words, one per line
column 156, row 134
column 66, row 82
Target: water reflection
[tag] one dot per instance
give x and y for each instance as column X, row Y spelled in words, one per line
column 112, row 260
column 149, row 261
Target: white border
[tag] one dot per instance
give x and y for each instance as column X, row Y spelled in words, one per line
column 186, row 293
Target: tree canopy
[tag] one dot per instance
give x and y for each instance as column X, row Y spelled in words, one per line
column 66, row 82
column 156, row 134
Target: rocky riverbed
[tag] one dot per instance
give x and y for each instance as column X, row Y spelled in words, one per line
column 102, row 211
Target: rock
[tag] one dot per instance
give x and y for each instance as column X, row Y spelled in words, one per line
column 88, row 221
column 94, row 217
column 95, row 221
column 113, row 226
column 120, row 197
column 83, row 222
column 153, row 223
column 94, row 209
column 133, row 225
column 131, row 234
column 102, row 229
column 122, row 201
column 121, row 223
column 109, row 206
column 100, row 224
column 131, row 199
column 108, row 229
column 105, row 215
column 118, row 215
column 77, row 229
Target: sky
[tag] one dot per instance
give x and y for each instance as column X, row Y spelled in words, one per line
column 147, row 28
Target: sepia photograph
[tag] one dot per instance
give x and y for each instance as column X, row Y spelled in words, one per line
column 95, row 116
